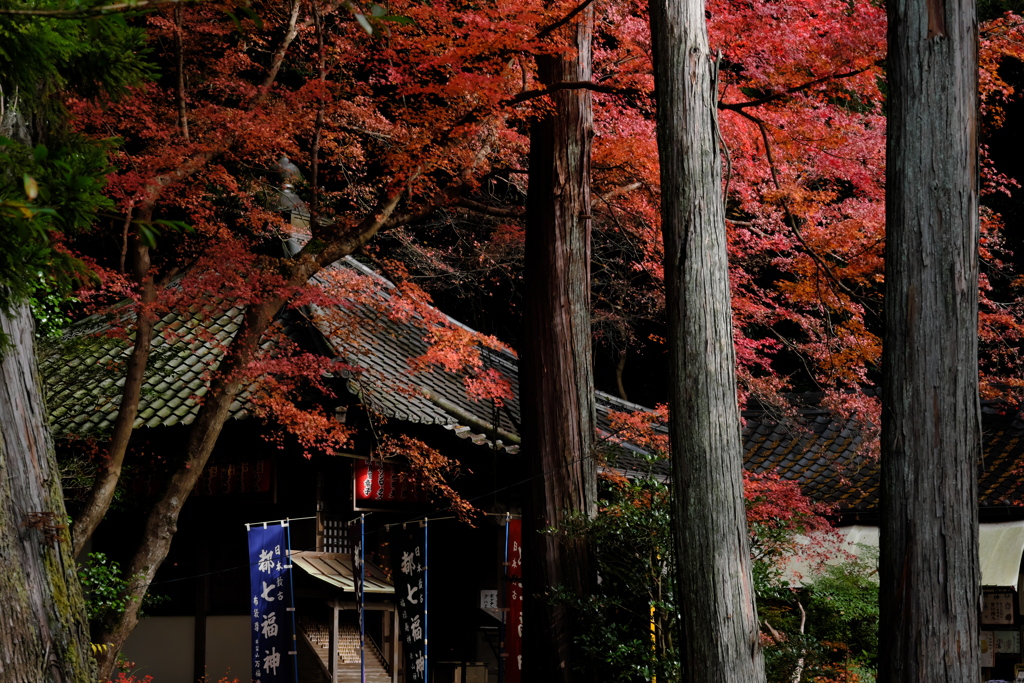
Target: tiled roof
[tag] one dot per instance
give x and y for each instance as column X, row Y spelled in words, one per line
column 824, row 455
column 819, row 452
column 83, row 371
column 380, row 348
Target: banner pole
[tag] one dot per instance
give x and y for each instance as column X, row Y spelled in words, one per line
column 291, row 590
column 426, row 593
column 502, row 652
column 362, row 598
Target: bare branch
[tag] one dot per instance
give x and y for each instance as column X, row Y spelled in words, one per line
column 572, row 85
column 548, row 30
column 180, row 64
column 791, row 219
column 500, row 211
column 738, row 106
column 624, row 189
column 95, row 11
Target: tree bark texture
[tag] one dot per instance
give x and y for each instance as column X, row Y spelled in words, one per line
column 44, row 632
column 931, row 435
column 557, row 376
column 719, row 621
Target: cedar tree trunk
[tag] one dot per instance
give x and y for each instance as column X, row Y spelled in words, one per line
column 557, row 378
column 931, row 435
column 44, row 632
column 719, row 622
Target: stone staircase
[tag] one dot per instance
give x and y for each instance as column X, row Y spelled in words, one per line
column 318, row 637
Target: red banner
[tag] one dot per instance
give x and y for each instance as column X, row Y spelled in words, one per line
column 514, row 603
column 382, row 484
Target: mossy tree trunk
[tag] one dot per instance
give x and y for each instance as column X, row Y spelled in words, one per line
column 44, row 633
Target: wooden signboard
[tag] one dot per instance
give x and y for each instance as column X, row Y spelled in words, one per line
column 997, row 607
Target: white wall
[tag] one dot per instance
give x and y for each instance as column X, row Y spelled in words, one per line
column 162, row 647
column 228, row 647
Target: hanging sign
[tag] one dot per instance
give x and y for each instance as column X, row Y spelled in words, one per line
column 997, row 607
column 988, row 649
column 409, row 574
column 273, row 644
column 1007, row 642
column 514, row 603
column 383, row 485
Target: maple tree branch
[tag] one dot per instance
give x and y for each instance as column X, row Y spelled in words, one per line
column 621, row 190
column 500, row 211
column 180, row 64
column 451, row 194
column 95, row 11
column 571, row 85
column 124, row 238
column 547, row 30
column 332, row 242
column 101, row 493
column 791, row 219
column 155, row 186
column 282, row 49
column 318, row 125
column 739, row 106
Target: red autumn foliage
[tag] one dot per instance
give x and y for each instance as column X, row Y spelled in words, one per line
column 424, row 124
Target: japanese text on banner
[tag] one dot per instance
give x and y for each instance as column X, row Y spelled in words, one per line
column 408, row 569
column 271, row 597
column 514, row 602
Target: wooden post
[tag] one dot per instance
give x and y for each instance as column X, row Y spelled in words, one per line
column 394, row 646
column 202, row 607
column 333, row 655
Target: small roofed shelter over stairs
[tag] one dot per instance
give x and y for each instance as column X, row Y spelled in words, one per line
column 340, row 636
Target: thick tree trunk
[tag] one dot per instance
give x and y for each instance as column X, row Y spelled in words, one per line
column 44, row 633
column 931, row 435
column 557, row 375
column 720, row 630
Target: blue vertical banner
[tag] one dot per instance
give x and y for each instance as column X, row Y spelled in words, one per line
column 409, row 574
column 273, row 638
